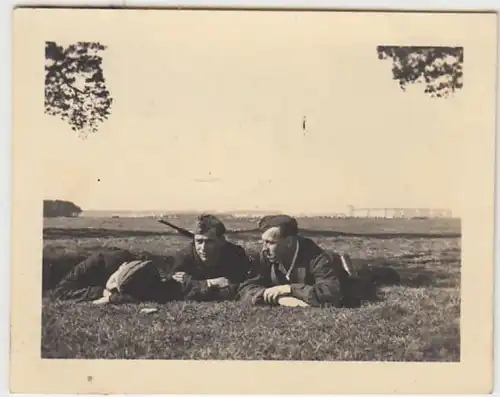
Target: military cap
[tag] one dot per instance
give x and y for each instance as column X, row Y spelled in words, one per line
column 127, row 274
column 206, row 223
column 288, row 225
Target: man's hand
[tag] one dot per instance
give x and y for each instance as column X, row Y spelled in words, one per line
column 272, row 294
column 101, row 301
column 220, row 282
column 290, row 301
column 180, row 277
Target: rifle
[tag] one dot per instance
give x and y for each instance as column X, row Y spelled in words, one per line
column 182, row 231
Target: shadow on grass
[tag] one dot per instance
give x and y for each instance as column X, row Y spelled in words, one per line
column 63, row 233
column 66, row 233
column 409, row 274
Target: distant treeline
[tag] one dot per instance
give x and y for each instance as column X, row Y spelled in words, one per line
column 55, row 208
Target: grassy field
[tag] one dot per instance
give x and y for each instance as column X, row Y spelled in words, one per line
column 416, row 320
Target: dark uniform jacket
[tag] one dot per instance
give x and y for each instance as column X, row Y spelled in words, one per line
column 87, row 280
column 233, row 264
column 315, row 278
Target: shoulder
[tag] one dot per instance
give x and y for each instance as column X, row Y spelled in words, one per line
column 328, row 260
column 310, row 248
column 237, row 252
column 184, row 254
column 116, row 254
column 316, row 254
column 234, row 249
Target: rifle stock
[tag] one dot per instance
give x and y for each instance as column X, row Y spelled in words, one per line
column 181, row 230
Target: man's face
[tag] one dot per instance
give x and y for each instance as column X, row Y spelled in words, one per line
column 273, row 245
column 207, row 246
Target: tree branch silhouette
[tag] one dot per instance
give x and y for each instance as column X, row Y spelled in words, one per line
column 70, row 86
column 75, row 88
column 439, row 68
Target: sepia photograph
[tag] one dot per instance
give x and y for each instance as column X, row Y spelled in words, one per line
column 253, row 186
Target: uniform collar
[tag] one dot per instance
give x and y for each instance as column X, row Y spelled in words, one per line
column 294, row 260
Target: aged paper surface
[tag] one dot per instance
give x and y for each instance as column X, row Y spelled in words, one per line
column 235, row 38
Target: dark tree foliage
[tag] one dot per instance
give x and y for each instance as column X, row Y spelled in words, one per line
column 55, row 208
column 439, row 68
column 75, row 88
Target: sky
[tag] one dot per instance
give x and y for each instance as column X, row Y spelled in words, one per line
column 208, row 114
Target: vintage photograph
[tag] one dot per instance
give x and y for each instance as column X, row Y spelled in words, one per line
column 213, row 287
column 256, row 185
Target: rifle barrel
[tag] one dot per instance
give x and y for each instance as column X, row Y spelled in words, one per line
column 182, row 231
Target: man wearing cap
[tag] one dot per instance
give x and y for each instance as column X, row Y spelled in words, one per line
column 210, row 268
column 292, row 270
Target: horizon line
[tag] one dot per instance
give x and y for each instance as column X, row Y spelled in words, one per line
column 266, row 212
